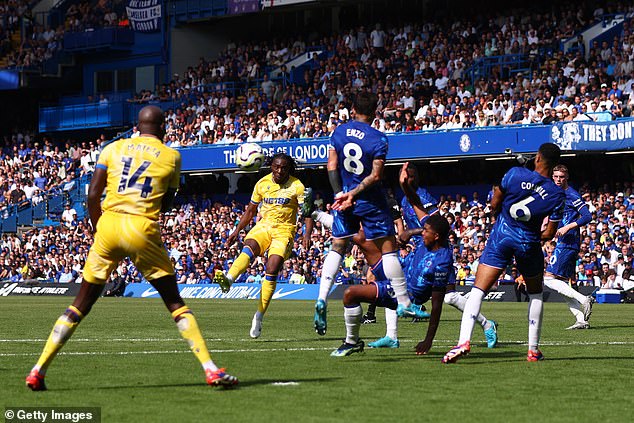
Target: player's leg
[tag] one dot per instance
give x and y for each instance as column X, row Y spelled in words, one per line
column 457, row 301
column 101, row 260
column 257, row 241
column 328, row 271
column 560, row 269
column 151, row 258
column 278, row 252
column 394, row 273
column 486, row 276
column 352, row 299
column 373, row 257
column 534, row 289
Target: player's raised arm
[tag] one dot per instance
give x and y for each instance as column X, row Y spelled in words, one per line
column 410, row 193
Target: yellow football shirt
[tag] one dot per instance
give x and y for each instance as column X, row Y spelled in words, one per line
column 279, row 203
column 140, row 171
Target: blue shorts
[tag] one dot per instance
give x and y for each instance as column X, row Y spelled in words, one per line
column 385, row 296
column 501, row 248
column 376, row 221
column 563, row 262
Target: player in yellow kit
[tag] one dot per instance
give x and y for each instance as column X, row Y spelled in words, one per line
column 280, row 196
column 140, row 176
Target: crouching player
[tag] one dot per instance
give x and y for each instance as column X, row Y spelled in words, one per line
column 427, row 270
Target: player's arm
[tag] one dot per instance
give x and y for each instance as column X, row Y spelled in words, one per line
column 555, row 217
column 345, row 200
column 584, row 218
column 333, row 171
column 97, row 185
column 437, row 300
column 404, row 236
column 247, row 216
column 168, row 198
column 496, row 200
column 411, row 195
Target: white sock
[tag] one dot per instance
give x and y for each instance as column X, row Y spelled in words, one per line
column 328, row 272
column 210, row 365
column 574, row 307
column 458, row 302
column 535, row 313
column 324, row 218
column 391, row 323
column 563, row 288
column 352, row 316
column 394, row 273
column 258, row 315
column 470, row 314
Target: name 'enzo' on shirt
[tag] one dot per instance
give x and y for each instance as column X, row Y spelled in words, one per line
column 355, row 133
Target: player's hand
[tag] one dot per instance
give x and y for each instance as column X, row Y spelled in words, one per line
column 402, row 176
column 423, row 347
column 403, row 239
column 562, row 231
column 231, row 239
column 343, row 201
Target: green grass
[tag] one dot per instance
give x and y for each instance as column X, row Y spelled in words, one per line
column 137, row 368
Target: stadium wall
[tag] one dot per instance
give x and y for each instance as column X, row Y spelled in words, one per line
column 484, row 142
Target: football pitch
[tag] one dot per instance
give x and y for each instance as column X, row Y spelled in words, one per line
column 128, row 358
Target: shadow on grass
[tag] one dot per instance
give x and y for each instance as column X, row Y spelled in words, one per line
column 243, row 384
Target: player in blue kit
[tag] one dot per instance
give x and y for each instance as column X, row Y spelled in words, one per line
column 562, row 264
column 523, row 200
column 356, row 158
column 428, row 271
column 415, row 205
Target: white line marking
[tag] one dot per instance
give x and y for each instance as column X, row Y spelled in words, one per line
column 291, row 383
column 441, row 344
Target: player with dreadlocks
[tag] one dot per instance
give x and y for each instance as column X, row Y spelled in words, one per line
column 280, row 197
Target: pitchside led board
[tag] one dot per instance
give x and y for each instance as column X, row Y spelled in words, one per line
column 570, row 136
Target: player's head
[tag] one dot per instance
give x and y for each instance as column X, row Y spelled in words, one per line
column 282, row 166
column 151, row 121
column 436, row 230
column 548, row 153
column 560, row 176
column 364, row 106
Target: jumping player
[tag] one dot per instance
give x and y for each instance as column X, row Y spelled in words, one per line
column 356, row 160
column 523, row 200
column 280, row 196
column 562, row 264
column 141, row 176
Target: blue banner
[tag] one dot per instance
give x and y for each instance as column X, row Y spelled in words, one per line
column 145, row 15
column 601, row 136
column 9, row 80
column 235, row 7
column 476, row 142
column 238, row 291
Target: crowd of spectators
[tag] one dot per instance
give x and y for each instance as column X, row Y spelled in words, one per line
column 29, row 169
column 419, row 73
column 195, row 234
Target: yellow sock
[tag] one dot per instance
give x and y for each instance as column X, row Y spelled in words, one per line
column 188, row 327
column 62, row 331
column 240, row 265
column 268, row 288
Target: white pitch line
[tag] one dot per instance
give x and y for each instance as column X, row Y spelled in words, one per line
column 261, row 350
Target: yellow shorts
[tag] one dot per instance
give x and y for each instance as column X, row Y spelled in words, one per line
column 124, row 235
column 277, row 240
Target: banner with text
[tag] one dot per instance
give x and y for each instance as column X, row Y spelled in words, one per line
column 145, row 15
column 243, row 291
column 38, row 288
column 490, row 141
